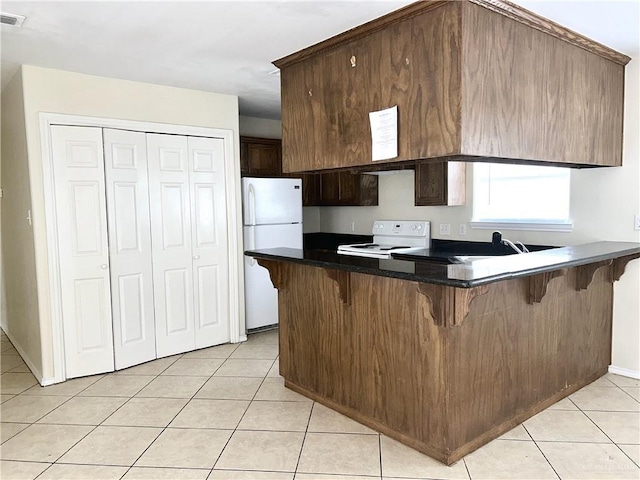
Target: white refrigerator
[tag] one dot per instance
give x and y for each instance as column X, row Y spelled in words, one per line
column 272, row 216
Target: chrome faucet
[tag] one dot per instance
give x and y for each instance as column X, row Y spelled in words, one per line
column 496, row 239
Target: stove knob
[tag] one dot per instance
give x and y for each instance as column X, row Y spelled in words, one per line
column 419, row 227
column 413, row 227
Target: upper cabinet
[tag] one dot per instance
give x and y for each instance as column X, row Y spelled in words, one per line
column 440, row 183
column 260, row 156
column 346, row 189
column 480, row 79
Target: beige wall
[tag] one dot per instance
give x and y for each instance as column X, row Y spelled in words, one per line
column 266, row 128
column 20, row 318
column 260, row 127
column 603, row 204
column 55, row 91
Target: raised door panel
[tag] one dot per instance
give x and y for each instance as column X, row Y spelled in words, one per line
column 209, row 240
column 349, row 188
column 261, row 156
column 440, row 183
column 310, row 189
column 177, row 293
column 83, row 249
column 431, row 184
column 171, row 234
column 367, row 190
column 329, row 188
column 130, row 247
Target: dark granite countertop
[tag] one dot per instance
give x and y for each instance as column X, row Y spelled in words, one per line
column 424, row 267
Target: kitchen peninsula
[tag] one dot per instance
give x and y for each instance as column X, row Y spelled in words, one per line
column 445, row 356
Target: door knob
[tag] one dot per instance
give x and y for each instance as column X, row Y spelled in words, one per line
column 104, row 266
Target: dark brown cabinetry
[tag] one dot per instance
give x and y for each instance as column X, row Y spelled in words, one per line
column 471, row 79
column 339, row 189
column 347, row 189
column 262, row 157
column 440, row 183
column 442, row 369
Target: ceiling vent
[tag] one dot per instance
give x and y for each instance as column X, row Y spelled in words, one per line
column 11, row 19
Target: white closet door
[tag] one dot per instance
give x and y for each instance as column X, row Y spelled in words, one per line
column 134, row 339
column 83, row 249
column 171, row 239
column 209, row 240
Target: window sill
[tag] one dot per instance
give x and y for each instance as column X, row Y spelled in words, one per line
column 515, row 225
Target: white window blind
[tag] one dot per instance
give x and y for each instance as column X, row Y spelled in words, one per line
column 528, row 197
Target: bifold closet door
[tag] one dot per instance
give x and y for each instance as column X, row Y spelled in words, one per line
column 170, row 203
column 130, row 247
column 209, row 240
column 83, row 249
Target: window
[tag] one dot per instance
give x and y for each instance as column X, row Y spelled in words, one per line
column 521, row 197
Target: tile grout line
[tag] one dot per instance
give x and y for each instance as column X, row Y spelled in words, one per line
column 77, row 395
column 605, row 433
column 464, row 462
column 51, row 411
column 163, row 429
column 243, row 414
column 304, row 438
column 113, row 413
column 541, row 452
column 94, row 427
column 380, row 452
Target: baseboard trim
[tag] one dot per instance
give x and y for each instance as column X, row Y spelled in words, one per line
column 36, row 372
column 625, row 372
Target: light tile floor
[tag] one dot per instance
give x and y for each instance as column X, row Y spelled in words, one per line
column 223, row 413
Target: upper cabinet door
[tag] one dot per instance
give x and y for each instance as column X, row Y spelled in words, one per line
column 83, row 249
column 209, row 240
column 260, row 156
column 170, row 201
column 130, row 247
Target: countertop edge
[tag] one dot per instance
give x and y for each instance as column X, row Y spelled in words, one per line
column 553, row 263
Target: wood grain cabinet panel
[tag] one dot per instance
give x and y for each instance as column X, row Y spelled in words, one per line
column 473, row 80
column 347, row 189
column 440, row 183
column 260, row 156
column 440, row 368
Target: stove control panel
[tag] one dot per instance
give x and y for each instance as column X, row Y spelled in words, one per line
column 403, row 228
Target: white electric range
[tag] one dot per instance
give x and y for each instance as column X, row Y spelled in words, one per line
column 392, row 236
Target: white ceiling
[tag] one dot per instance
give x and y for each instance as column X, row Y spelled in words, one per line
column 228, row 46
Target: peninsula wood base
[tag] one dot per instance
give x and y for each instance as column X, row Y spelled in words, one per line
column 446, row 458
column 442, row 369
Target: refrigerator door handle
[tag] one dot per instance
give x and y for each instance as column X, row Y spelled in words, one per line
column 252, row 238
column 252, row 205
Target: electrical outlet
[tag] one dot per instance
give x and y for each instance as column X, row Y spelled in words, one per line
column 636, row 222
column 463, row 229
column 445, row 229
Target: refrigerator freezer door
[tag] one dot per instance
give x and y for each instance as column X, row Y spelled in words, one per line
column 269, row 201
column 261, row 299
